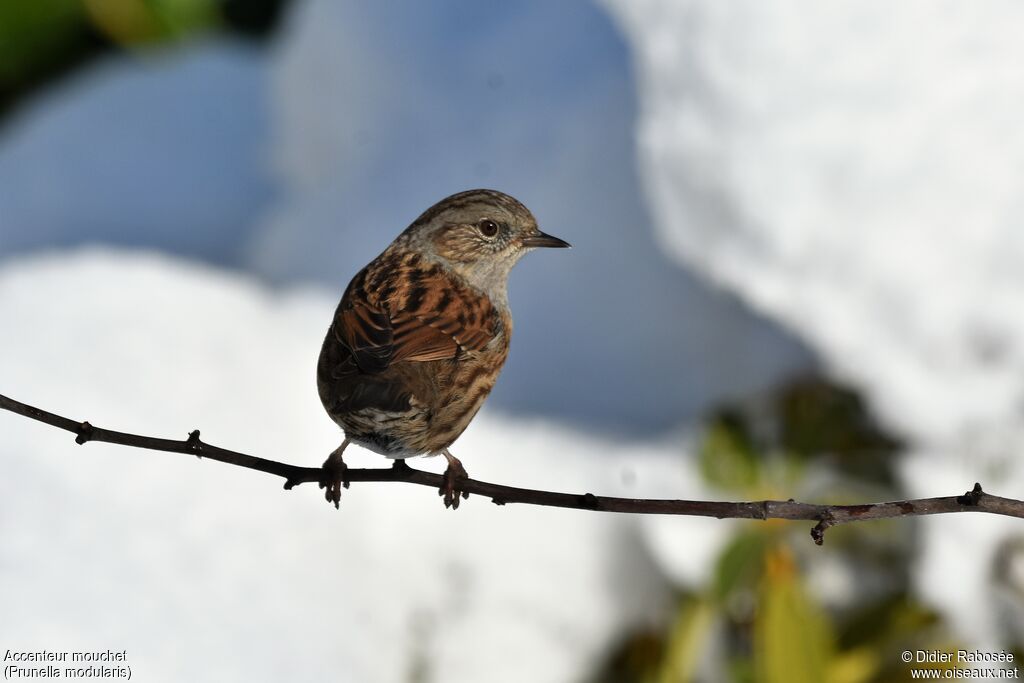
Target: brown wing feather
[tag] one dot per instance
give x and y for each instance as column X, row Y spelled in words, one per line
column 415, row 341
column 364, row 327
column 407, row 311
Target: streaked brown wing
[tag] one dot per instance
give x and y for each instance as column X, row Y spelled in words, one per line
column 416, row 341
column 364, row 328
column 413, row 314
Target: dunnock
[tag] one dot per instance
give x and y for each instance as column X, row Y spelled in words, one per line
column 421, row 333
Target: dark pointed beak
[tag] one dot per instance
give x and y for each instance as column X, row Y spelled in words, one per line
column 544, row 240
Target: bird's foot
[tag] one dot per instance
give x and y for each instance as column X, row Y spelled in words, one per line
column 335, row 475
column 452, row 481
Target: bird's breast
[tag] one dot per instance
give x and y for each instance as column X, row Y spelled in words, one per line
column 469, row 381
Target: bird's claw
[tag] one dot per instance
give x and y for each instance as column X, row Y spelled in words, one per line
column 452, row 480
column 335, row 478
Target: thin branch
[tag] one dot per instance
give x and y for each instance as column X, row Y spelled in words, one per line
column 826, row 516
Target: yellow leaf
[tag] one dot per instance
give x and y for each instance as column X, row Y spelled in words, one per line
column 685, row 643
column 793, row 641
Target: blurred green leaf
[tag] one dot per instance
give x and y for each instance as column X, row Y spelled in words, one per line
column 765, row 624
column 894, row 620
column 637, row 658
column 179, row 17
column 728, row 458
column 34, row 34
column 740, row 564
column 817, row 417
column 690, row 631
column 892, row 625
column 138, row 22
column 854, row 666
column 793, row 640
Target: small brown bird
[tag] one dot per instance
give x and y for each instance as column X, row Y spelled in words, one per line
column 421, row 333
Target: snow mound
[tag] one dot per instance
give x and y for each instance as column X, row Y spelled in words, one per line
column 194, row 566
column 853, row 169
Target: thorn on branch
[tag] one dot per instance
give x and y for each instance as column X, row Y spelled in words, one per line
column 84, row 433
column 590, row 501
column 194, row 444
column 972, row 497
column 497, row 501
column 818, row 532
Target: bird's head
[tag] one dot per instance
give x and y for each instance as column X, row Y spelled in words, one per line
column 479, row 234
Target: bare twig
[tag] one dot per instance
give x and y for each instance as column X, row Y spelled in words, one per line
column 826, row 516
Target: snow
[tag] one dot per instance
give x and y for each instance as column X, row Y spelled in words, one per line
column 293, row 172
column 792, row 181
column 453, row 101
column 867, row 198
column 853, row 170
column 201, row 570
column 959, row 567
column 300, row 161
column 161, row 151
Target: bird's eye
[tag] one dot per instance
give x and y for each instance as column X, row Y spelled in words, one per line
column 488, row 228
